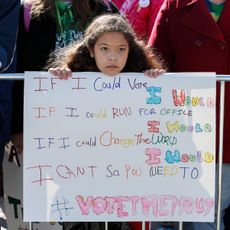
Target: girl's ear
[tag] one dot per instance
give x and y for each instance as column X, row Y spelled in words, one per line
column 91, row 54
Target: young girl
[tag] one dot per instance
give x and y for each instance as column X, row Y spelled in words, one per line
column 109, row 46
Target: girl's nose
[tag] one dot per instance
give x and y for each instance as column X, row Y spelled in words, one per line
column 112, row 57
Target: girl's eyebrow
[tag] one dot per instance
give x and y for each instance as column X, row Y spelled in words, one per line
column 106, row 44
column 124, row 45
column 102, row 43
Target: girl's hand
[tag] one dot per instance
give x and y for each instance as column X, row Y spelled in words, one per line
column 153, row 73
column 62, row 73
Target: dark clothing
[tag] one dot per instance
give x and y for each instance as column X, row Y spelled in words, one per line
column 96, row 226
column 33, row 49
column 227, row 218
column 8, row 28
column 35, row 45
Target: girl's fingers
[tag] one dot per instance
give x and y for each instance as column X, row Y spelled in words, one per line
column 146, row 72
column 58, row 73
column 158, row 72
column 52, row 71
column 162, row 71
column 61, row 73
column 154, row 73
column 64, row 74
column 69, row 72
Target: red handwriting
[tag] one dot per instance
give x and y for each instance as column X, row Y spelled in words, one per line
column 49, row 84
column 62, row 171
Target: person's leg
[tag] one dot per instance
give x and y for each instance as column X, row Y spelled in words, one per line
column 225, row 195
column 2, row 147
column 1, row 172
column 227, row 218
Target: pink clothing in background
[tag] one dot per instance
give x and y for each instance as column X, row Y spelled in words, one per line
column 141, row 14
column 27, row 10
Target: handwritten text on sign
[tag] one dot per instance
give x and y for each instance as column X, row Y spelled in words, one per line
column 119, row 148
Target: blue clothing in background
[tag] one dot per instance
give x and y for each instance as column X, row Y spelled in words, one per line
column 9, row 11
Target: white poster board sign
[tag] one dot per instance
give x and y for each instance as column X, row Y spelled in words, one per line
column 126, row 148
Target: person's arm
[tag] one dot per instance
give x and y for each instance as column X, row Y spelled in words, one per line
column 8, row 30
column 160, row 35
column 155, row 6
column 112, row 8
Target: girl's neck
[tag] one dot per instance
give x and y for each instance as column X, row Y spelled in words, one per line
column 217, row 1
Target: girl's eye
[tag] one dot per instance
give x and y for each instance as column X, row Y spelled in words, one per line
column 104, row 48
column 122, row 49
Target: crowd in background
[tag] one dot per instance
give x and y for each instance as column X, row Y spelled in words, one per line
column 188, row 35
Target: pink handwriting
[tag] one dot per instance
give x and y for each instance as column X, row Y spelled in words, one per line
column 152, row 205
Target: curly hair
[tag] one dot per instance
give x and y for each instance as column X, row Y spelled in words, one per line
column 43, row 6
column 77, row 55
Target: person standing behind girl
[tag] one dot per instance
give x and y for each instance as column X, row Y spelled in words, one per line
column 140, row 13
column 9, row 11
column 8, row 32
column 194, row 36
column 54, row 24
column 45, row 26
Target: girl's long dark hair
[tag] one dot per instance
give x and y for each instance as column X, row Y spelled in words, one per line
column 77, row 55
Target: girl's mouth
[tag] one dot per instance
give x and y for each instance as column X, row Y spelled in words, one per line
column 112, row 66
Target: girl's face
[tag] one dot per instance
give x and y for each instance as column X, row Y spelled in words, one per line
column 111, row 52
